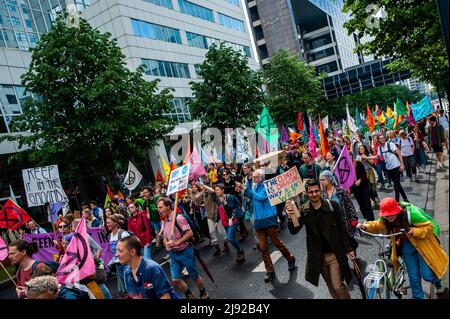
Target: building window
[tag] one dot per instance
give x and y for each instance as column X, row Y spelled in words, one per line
column 200, row 41
column 162, row 3
column 204, row 42
column 195, row 10
column 82, row 4
column 328, row 67
column 198, row 70
column 181, row 112
column 234, row 2
column 166, row 69
column 11, row 99
column 231, row 23
column 154, row 31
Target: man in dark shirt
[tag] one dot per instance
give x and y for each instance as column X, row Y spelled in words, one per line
column 436, row 140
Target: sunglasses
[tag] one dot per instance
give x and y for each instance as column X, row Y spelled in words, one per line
column 63, row 226
column 314, row 192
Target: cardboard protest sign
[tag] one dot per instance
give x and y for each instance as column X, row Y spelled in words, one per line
column 283, row 187
column 42, row 185
column 179, row 179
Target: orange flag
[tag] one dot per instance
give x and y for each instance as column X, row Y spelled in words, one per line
column 370, row 119
column 120, row 195
column 397, row 121
column 323, row 139
column 160, row 177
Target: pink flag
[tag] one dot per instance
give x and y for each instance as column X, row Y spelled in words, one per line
column 345, row 170
column 312, row 140
column 3, row 250
column 77, row 262
column 197, row 168
column 266, row 146
column 411, row 117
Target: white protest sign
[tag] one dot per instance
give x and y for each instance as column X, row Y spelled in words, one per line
column 42, row 185
column 179, row 179
column 283, row 187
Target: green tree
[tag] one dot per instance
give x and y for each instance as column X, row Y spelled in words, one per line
column 230, row 94
column 382, row 96
column 90, row 113
column 411, row 35
column 293, row 87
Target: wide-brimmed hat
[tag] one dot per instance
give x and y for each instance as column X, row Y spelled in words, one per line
column 389, row 207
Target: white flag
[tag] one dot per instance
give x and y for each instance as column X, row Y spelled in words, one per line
column 133, row 177
column 325, row 122
column 351, row 122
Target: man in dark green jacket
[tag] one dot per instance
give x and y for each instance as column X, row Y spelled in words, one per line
column 327, row 242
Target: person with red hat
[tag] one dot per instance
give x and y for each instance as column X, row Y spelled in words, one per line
column 419, row 246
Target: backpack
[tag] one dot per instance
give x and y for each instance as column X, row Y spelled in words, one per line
column 196, row 237
column 409, row 140
column 194, row 227
column 388, row 151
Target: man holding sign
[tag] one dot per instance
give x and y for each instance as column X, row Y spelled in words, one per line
column 266, row 223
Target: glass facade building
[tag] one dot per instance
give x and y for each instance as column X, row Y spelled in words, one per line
column 176, row 23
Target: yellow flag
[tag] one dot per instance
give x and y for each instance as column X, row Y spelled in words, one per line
column 381, row 119
column 166, row 168
column 389, row 112
column 407, row 106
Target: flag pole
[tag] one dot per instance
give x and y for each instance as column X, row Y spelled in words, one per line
column 59, row 244
column 175, row 207
column 6, row 271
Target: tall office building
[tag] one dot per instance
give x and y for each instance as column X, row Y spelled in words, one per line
column 169, row 37
column 312, row 28
column 315, row 30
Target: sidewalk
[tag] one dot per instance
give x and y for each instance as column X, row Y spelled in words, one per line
column 441, row 215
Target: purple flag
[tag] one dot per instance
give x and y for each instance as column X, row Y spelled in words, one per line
column 411, row 117
column 54, row 209
column 284, row 135
column 345, row 170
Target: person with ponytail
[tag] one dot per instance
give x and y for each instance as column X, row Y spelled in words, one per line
column 20, row 254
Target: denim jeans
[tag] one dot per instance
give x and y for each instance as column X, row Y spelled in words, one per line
column 231, row 230
column 381, row 167
column 417, row 269
column 421, row 159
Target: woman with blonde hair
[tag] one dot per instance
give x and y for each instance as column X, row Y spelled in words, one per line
column 91, row 220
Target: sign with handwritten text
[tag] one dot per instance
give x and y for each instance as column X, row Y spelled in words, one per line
column 283, row 187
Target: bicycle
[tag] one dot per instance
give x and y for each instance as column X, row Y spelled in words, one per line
column 383, row 279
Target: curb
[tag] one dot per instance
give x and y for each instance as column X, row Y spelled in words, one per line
column 441, row 216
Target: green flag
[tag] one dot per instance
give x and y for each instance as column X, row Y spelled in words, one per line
column 266, row 127
column 400, row 108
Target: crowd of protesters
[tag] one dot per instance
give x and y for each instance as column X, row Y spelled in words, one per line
column 230, row 202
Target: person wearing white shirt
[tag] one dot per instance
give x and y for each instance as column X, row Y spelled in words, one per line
column 407, row 149
column 394, row 164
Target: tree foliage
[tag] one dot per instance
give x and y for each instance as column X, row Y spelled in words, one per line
column 90, row 112
column 411, row 35
column 230, row 94
column 293, row 87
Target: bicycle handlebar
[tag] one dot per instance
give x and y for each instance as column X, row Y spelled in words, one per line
column 381, row 235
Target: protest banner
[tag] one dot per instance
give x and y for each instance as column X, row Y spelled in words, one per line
column 48, row 251
column 283, row 187
column 42, row 185
column 179, row 179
